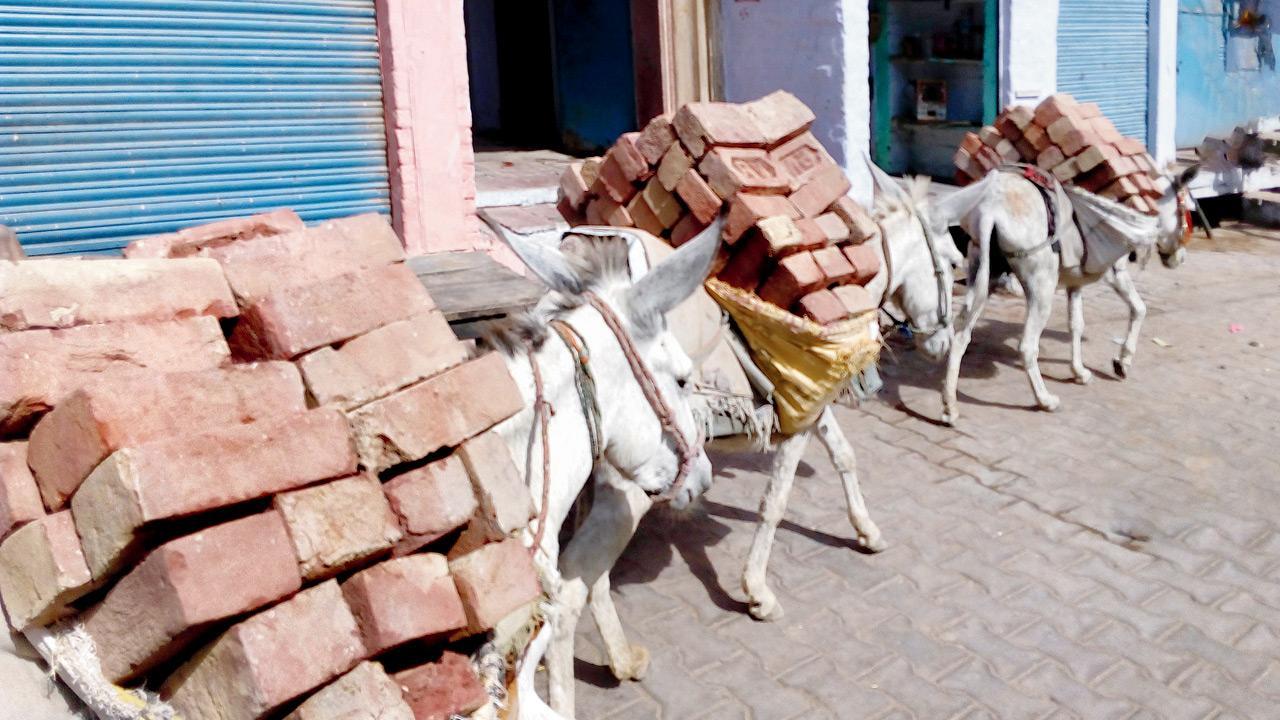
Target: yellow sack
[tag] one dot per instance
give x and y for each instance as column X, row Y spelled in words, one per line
column 809, row 364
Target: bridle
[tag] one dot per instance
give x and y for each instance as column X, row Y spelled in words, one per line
column 941, row 273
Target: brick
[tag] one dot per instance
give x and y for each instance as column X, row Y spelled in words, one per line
column 19, row 497
column 656, row 138
column 604, row 211
column 822, row 307
column 443, row 689
column 591, row 170
column 702, row 124
column 573, row 186
column 1106, row 173
column 378, row 363
column 1106, row 130
column 612, row 181
column 971, row 143
column 38, row 368
column 801, row 158
column 571, row 215
column 1121, row 188
column 1064, row 126
column 732, row 170
column 865, row 260
column 1051, row 158
column 1066, row 170
column 269, row 659
column 127, row 410
column 338, row 525
column 990, row 136
column 962, row 159
column 365, row 693
column 703, row 202
column 643, row 217
column 833, row 227
column 1077, row 141
column 780, row 115
column 42, row 569
column 862, row 227
column 181, row 476
column 63, row 293
column 438, row 412
column 10, row 248
column 1008, row 128
column 185, row 585
column 494, row 581
column 404, row 599
column 430, row 502
column 1026, row 151
column 686, row 229
column 499, row 487
column 748, row 263
column 1055, row 107
column 1021, row 115
column 629, row 158
column 1089, row 110
column 1007, row 151
column 189, row 241
column 1145, row 163
column 747, row 209
column 1037, row 137
column 783, row 236
column 827, row 186
column 664, row 204
column 1095, row 155
column 835, row 267
column 675, row 163
column 1139, row 203
column 289, row 322
column 795, row 276
column 812, row 235
column 988, row 159
column 1130, row 146
column 855, row 298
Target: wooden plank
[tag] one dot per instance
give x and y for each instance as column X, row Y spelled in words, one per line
column 471, row 285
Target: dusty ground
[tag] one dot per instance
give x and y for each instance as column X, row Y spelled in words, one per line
column 1117, row 559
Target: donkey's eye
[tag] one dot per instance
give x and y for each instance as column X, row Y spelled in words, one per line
column 682, row 382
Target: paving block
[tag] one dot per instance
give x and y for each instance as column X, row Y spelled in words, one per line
column 269, row 659
column 443, row 689
column 430, row 502
column 795, row 276
column 181, row 476
column 801, row 158
column 827, row 185
column 438, row 412
column 493, row 581
column 822, row 306
column 127, row 410
column 730, row 171
column 42, row 569
column 747, row 209
column 189, row 241
column 185, row 585
column 700, row 125
column 365, row 693
column 656, row 138
column 865, row 260
column 499, row 487
column 703, row 202
column 403, row 599
column 338, row 525
column 779, row 115
column 19, row 496
column 38, row 368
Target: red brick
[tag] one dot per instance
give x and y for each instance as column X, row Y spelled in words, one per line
column 19, row 497
column 42, row 569
column 833, row 227
column 855, row 298
column 1065, row 126
column 1051, row 158
column 591, row 170
column 499, row 487
column 1007, row 152
column 365, row 693
column 643, row 217
column 443, row 689
column 834, row 265
column 438, row 412
column 181, row 476
column 780, row 115
column 10, row 248
column 1095, row 155
column 404, row 599
column 686, row 229
column 1077, row 141
column 494, row 581
column 747, row 209
column 595, row 210
column 68, row 443
column 962, row 159
column 1106, row 130
column 703, row 202
column 338, row 525
column 63, row 293
column 1008, row 128
column 1089, row 110
column 38, row 368
column 1066, row 170
column 675, row 163
column 573, row 186
column 971, row 143
column 990, row 136
column 784, row 236
column 827, row 186
column 801, row 158
column 1037, row 137
column 1106, row 173
column 430, row 502
column 795, row 276
column 1141, row 204
column 1026, row 151
column 289, row 322
column 1130, row 146
column 811, row 232
column 1121, row 188
column 862, row 227
column 732, row 170
column 612, row 182
column 629, row 158
column 1021, row 115
column 662, row 202
column 1055, row 107
column 701, row 124
column 571, row 215
column 383, row 361
column 1145, row 163
column 748, row 263
column 656, row 138
column 822, row 307
column 193, row 239
column 612, row 213
column 865, row 260
column 988, row 159
column 273, row 657
column 187, row 584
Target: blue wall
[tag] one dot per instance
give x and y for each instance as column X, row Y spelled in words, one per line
column 594, row 71
column 1214, row 97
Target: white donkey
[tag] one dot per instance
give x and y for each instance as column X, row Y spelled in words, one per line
column 596, row 353
column 1008, row 209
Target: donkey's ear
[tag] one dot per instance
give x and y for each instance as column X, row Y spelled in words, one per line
column 884, row 182
column 546, row 263
column 1184, row 179
column 675, row 278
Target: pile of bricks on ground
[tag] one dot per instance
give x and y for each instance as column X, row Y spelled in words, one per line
column 251, row 460
column 791, row 235
column 1073, row 141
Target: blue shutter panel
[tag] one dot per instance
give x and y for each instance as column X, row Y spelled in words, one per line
column 1102, row 58
column 125, row 118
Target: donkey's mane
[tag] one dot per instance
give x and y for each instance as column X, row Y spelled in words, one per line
column 917, row 188
column 597, row 261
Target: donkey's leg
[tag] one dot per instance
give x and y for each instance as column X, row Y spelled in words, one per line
column 1075, row 311
column 975, row 298
column 846, row 463
column 764, row 604
column 1120, row 280
column 620, row 509
column 1039, row 284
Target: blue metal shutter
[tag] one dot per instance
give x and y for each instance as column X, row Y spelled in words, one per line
column 124, row 118
column 1102, row 58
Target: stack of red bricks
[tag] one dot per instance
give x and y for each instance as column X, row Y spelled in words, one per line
column 1073, row 141
column 791, row 234
column 251, row 460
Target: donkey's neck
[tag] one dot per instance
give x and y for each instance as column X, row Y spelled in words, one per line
column 958, row 204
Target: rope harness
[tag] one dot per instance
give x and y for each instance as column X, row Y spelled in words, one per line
column 940, row 272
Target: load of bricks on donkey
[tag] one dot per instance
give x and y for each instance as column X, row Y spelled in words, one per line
column 257, row 478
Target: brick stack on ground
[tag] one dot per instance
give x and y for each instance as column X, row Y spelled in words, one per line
column 1072, row 141
column 250, row 460
column 792, row 235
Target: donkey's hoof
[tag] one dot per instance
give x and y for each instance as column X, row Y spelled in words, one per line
column 1084, row 377
column 872, row 542
column 766, row 609
column 638, row 668
column 950, row 417
column 1050, row 403
column 1122, row 370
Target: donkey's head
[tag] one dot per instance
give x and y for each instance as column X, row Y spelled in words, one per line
column 648, row 435
column 921, row 260
column 1174, row 218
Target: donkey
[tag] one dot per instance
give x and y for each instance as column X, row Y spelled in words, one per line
column 1008, row 207
column 600, row 329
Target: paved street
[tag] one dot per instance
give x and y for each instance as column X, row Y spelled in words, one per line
column 1117, row 559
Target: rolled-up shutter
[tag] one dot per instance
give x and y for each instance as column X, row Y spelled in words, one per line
column 1102, row 58
column 124, row 118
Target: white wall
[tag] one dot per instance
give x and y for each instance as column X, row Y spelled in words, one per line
column 1028, row 51
column 1162, row 74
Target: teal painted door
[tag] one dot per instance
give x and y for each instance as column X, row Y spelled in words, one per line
column 1103, row 51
